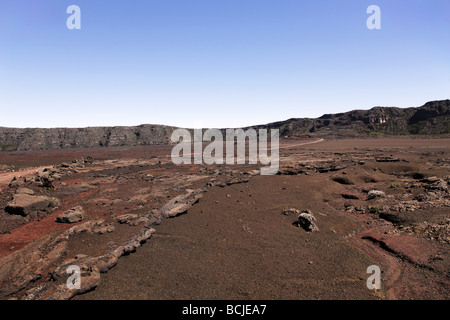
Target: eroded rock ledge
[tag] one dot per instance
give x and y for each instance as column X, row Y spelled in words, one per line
column 31, row 262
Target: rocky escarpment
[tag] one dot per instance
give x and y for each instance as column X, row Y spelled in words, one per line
column 432, row 119
column 12, row 139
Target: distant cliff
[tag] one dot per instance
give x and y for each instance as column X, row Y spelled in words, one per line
column 58, row 138
column 432, row 119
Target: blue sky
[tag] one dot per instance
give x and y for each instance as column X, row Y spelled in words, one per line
column 216, row 63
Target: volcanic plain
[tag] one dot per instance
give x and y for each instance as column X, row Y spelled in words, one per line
column 140, row 227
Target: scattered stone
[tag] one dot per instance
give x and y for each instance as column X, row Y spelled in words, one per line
column 54, row 202
column 428, row 196
column 307, row 221
column 88, row 160
column 89, row 279
column 432, row 179
column 290, row 171
column 405, row 206
column 436, row 231
column 15, row 182
column 330, row 167
column 290, row 212
column 44, row 180
column 375, row 194
column 102, row 229
column 73, row 215
column 440, row 185
column 127, row 218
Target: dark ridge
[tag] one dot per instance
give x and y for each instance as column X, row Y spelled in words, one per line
column 429, row 120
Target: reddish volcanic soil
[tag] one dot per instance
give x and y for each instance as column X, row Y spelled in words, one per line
column 235, row 241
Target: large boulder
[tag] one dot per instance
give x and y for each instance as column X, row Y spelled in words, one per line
column 73, row 215
column 23, row 204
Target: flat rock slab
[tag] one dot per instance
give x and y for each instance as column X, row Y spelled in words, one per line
column 23, row 204
column 25, row 191
column 180, row 204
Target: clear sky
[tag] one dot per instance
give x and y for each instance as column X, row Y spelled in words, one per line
column 216, row 63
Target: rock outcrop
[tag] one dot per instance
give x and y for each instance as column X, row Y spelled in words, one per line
column 29, row 264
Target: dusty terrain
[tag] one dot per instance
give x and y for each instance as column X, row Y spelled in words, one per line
column 154, row 230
